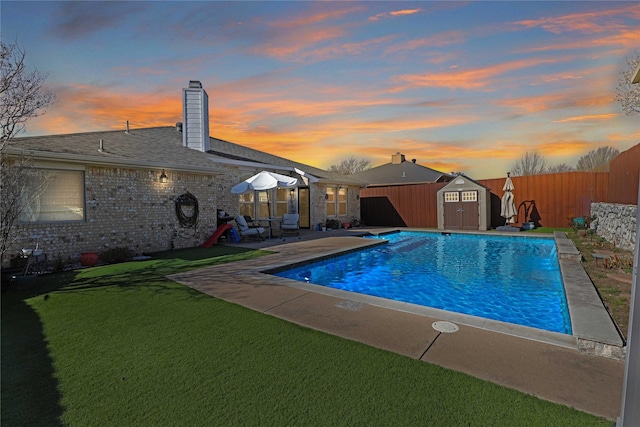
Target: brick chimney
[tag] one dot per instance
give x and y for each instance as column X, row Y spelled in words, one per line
column 397, row 158
column 195, row 117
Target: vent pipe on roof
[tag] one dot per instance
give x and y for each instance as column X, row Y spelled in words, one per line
column 101, row 148
column 179, row 126
column 413, row 160
column 127, row 130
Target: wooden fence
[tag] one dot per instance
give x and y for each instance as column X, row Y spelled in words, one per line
column 624, row 173
column 549, row 200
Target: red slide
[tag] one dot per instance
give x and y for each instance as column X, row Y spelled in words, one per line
column 216, row 235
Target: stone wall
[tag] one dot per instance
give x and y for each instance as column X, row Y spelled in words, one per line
column 616, row 223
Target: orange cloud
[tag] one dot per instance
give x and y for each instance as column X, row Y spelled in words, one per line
column 291, row 39
column 345, row 49
column 476, row 78
column 81, row 108
column 304, row 21
column 621, row 41
column 555, row 101
column 585, row 118
column 439, row 40
column 563, row 148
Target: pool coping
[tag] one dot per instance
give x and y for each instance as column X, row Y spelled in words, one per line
column 593, row 330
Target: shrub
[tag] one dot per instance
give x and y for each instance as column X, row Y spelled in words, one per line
column 116, row 255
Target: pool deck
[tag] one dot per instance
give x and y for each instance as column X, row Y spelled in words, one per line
column 569, row 370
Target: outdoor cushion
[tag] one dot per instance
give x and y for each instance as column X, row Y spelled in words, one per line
column 245, row 230
column 289, row 224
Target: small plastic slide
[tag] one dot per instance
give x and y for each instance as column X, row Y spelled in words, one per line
column 216, row 235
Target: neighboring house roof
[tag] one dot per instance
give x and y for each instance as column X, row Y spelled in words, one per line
column 400, row 172
column 159, row 147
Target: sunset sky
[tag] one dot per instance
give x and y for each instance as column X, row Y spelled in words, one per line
column 459, row 86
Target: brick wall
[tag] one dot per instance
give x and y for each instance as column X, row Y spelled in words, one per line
column 128, row 207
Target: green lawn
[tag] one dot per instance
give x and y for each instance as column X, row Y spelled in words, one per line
column 121, row 345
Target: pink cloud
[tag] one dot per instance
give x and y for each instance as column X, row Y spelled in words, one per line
column 402, row 12
column 587, row 22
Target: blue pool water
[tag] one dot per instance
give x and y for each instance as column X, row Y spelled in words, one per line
column 511, row 279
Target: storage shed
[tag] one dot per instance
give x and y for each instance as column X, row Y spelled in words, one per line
column 464, row 204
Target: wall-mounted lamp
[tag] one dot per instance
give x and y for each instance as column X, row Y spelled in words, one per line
column 326, row 196
column 357, row 197
column 163, row 177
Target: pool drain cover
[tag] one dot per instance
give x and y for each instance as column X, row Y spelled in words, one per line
column 446, row 327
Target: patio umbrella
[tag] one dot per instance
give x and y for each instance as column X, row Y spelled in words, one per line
column 264, row 181
column 508, row 205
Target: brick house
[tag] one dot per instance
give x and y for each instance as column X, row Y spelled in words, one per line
column 102, row 190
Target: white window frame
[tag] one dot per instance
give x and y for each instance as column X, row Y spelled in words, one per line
column 53, row 195
column 470, row 196
column 337, row 202
column 451, row 197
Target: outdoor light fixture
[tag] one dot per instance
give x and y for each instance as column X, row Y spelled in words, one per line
column 326, row 196
column 163, row 177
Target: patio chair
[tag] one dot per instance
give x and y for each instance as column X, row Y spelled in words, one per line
column 246, row 231
column 252, row 223
column 290, row 224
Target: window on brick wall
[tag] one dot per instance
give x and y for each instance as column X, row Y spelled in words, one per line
column 246, row 205
column 282, row 201
column 53, row 195
column 336, row 201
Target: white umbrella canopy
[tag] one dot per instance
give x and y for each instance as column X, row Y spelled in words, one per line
column 264, row 181
column 508, row 205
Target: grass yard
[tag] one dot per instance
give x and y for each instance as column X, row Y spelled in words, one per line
column 122, row 345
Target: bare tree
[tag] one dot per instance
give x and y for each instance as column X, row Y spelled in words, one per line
column 350, row 166
column 627, row 93
column 531, row 163
column 559, row 168
column 22, row 97
column 596, row 158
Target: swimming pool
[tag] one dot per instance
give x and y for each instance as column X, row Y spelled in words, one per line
column 505, row 278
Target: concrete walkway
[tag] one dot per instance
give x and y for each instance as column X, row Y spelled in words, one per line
column 546, row 365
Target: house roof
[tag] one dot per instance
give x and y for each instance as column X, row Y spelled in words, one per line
column 226, row 152
column 158, row 147
column 400, row 173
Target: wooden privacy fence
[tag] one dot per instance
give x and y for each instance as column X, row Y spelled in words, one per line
column 624, row 174
column 551, row 199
